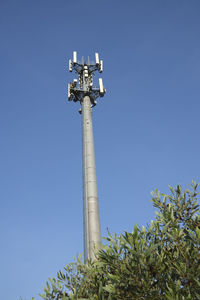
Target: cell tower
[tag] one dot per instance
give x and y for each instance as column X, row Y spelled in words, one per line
column 82, row 90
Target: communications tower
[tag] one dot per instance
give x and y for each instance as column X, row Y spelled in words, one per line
column 82, row 90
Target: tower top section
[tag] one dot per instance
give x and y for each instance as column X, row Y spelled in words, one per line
column 83, row 85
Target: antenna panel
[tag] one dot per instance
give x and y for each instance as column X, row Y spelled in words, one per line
column 101, row 66
column 69, row 92
column 74, row 57
column 97, row 58
column 101, row 89
column 70, row 65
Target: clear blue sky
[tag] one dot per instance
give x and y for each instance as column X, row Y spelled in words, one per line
column 146, row 127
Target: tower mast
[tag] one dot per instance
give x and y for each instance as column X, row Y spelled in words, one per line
column 83, row 91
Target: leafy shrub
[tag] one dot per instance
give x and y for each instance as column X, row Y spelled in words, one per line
column 161, row 261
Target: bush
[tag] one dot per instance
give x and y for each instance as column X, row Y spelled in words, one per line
column 161, row 261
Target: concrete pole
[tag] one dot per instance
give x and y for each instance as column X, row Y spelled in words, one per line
column 92, row 234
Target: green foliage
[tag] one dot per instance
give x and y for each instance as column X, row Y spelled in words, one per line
column 161, row 261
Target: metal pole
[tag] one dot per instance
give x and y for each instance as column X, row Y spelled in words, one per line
column 92, row 234
column 83, row 91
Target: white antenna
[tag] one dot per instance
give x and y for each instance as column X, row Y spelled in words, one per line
column 74, row 57
column 70, row 65
column 69, row 93
column 101, row 88
column 97, row 58
column 101, row 66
